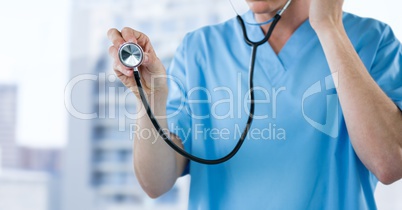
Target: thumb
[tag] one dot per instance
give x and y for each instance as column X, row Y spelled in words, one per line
column 152, row 63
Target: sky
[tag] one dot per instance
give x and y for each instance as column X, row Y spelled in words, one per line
column 32, row 30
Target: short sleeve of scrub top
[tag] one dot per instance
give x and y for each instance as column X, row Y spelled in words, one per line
column 386, row 67
column 177, row 110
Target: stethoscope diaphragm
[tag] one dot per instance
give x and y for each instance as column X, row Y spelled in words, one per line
column 131, row 55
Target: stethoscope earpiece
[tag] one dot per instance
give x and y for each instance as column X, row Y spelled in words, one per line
column 131, row 55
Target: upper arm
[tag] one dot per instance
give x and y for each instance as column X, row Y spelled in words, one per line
column 181, row 161
column 177, row 109
column 386, row 66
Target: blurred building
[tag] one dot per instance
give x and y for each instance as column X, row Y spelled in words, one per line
column 8, row 106
column 17, row 164
column 98, row 170
column 40, row 159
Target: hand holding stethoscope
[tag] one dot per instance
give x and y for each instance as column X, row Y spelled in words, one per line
column 149, row 64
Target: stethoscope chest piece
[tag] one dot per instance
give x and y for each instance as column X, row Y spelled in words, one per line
column 131, row 55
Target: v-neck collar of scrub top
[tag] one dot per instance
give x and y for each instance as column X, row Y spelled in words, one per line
column 281, row 62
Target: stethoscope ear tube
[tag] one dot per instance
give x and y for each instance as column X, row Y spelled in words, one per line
column 172, row 144
column 265, row 39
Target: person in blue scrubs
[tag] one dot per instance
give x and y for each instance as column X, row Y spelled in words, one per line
column 328, row 121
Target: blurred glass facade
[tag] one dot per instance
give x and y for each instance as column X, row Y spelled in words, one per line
column 23, row 190
column 28, row 174
column 98, row 171
column 8, row 113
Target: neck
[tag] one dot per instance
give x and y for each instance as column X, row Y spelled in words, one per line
column 292, row 18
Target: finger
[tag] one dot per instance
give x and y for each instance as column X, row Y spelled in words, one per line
column 117, row 64
column 115, row 37
column 152, row 62
column 113, row 53
column 129, row 34
column 121, row 73
column 132, row 35
column 118, row 73
column 127, row 81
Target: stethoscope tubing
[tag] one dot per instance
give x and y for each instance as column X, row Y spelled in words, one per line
column 165, row 137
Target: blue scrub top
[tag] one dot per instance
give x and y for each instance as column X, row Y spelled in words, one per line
column 298, row 153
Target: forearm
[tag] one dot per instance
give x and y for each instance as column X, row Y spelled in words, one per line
column 157, row 166
column 374, row 122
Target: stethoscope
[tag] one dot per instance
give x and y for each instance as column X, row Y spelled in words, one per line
column 131, row 55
